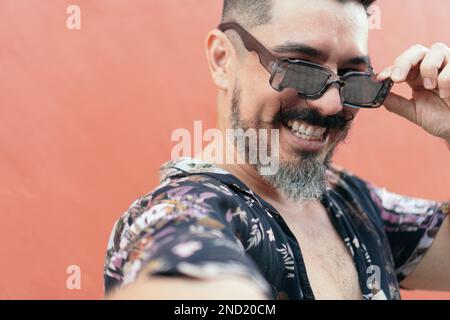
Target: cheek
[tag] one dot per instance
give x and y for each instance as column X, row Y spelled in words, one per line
column 259, row 102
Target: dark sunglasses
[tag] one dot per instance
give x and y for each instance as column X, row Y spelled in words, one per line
column 310, row 80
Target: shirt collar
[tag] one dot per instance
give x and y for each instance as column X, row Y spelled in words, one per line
column 187, row 166
column 192, row 165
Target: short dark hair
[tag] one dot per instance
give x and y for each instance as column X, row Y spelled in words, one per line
column 251, row 13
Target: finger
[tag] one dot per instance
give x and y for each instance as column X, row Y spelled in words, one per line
column 444, row 82
column 433, row 61
column 401, row 106
column 386, row 73
column 406, row 61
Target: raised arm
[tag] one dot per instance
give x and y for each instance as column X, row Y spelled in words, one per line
column 433, row 271
column 182, row 288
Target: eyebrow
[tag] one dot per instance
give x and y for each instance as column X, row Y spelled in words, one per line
column 304, row 49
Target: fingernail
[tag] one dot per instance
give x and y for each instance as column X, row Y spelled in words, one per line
column 397, row 74
column 428, row 83
column 445, row 93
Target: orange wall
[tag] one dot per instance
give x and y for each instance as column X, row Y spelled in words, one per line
column 86, row 117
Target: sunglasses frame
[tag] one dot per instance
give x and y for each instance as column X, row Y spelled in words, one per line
column 276, row 66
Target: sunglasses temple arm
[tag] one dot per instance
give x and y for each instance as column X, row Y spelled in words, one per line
column 269, row 62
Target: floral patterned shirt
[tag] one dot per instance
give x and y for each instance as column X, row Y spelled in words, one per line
column 203, row 222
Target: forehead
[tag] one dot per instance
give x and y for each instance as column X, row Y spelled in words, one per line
column 338, row 28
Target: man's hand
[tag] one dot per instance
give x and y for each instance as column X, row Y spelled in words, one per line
column 427, row 72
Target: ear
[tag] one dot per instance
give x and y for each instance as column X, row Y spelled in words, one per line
column 218, row 53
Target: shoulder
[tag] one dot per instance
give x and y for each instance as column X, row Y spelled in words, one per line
column 182, row 197
column 357, row 195
column 386, row 202
column 345, row 180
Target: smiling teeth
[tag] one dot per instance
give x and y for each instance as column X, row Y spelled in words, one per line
column 306, row 131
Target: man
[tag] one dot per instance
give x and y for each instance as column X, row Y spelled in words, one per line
column 311, row 230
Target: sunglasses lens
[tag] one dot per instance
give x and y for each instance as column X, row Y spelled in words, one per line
column 362, row 90
column 304, row 79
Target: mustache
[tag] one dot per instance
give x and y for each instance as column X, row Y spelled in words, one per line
column 311, row 116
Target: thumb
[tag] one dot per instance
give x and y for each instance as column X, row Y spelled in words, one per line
column 399, row 105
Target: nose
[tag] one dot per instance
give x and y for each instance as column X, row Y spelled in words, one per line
column 330, row 103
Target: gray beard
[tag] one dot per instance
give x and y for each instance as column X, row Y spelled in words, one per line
column 302, row 180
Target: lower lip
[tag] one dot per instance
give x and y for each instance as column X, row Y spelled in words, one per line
column 303, row 144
